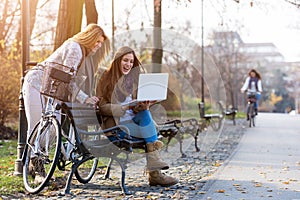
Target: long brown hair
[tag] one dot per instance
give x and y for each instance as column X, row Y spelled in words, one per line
column 256, row 73
column 113, row 85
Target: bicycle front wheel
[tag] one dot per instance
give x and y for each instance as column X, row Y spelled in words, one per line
column 251, row 115
column 41, row 154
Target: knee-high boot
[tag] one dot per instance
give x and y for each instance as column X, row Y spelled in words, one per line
column 154, row 162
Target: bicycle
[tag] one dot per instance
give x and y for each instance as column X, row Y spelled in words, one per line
column 45, row 150
column 251, row 113
column 85, row 143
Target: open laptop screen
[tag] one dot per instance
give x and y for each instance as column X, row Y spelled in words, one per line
column 151, row 87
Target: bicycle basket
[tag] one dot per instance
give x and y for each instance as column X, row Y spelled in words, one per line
column 56, row 81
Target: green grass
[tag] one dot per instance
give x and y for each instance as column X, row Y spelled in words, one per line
column 9, row 184
column 195, row 114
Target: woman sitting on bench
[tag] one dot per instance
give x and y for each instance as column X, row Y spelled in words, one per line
column 117, row 85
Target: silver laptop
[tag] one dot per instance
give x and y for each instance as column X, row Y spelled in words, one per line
column 151, row 87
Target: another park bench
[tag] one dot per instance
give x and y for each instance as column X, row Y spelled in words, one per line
column 177, row 128
column 229, row 113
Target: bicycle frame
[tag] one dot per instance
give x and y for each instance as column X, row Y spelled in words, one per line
column 251, row 108
column 44, row 149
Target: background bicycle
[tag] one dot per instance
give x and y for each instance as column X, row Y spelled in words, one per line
column 251, row 111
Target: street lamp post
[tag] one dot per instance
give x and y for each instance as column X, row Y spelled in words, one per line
column 113, row 26
column 235, row 96
column 25, row 57
column 202, row 107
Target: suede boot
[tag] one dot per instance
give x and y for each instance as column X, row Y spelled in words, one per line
column 154, row 162
column 157, row 178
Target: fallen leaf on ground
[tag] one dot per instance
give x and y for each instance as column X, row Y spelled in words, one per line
column 258, row 185
column 285, row 168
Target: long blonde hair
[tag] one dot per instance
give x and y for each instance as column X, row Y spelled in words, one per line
column 89, row 36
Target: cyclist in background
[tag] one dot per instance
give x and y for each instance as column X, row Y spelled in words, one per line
column 253, row 84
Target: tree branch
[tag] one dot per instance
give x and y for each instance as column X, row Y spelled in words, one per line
column 293, row 3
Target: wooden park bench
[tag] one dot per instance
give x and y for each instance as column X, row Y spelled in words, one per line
column 178, row 128
column 229, row 113
column 94, row 143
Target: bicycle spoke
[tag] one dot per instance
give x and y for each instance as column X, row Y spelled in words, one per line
column 42, row 156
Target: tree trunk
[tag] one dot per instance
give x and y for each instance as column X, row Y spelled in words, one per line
column 69, row 20
column 91, row 12
column 157, row 52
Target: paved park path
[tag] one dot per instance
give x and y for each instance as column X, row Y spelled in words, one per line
column 265, row 165
column 235, row 163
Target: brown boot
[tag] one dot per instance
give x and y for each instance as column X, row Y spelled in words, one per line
column 158, row 144
column 157, row 178
column 154, row 161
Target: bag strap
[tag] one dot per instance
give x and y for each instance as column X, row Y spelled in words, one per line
column 56, row 63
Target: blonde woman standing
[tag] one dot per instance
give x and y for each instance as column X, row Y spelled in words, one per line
column 83, row 52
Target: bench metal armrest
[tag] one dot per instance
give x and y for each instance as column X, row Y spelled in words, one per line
column 103, row 131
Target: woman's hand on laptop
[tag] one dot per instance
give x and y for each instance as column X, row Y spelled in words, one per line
column 143, row 105
column 152, row 102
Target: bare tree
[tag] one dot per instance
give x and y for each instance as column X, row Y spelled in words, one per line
column 91, row 11
column 294, row 2
column 157, row 52
column 69, row 20
column 8, row 14
column 224, row 52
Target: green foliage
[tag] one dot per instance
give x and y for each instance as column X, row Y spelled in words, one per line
column 185, row 114
column 191, row 103
column 10, row 73
column 10, row 76
column 240, row 115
